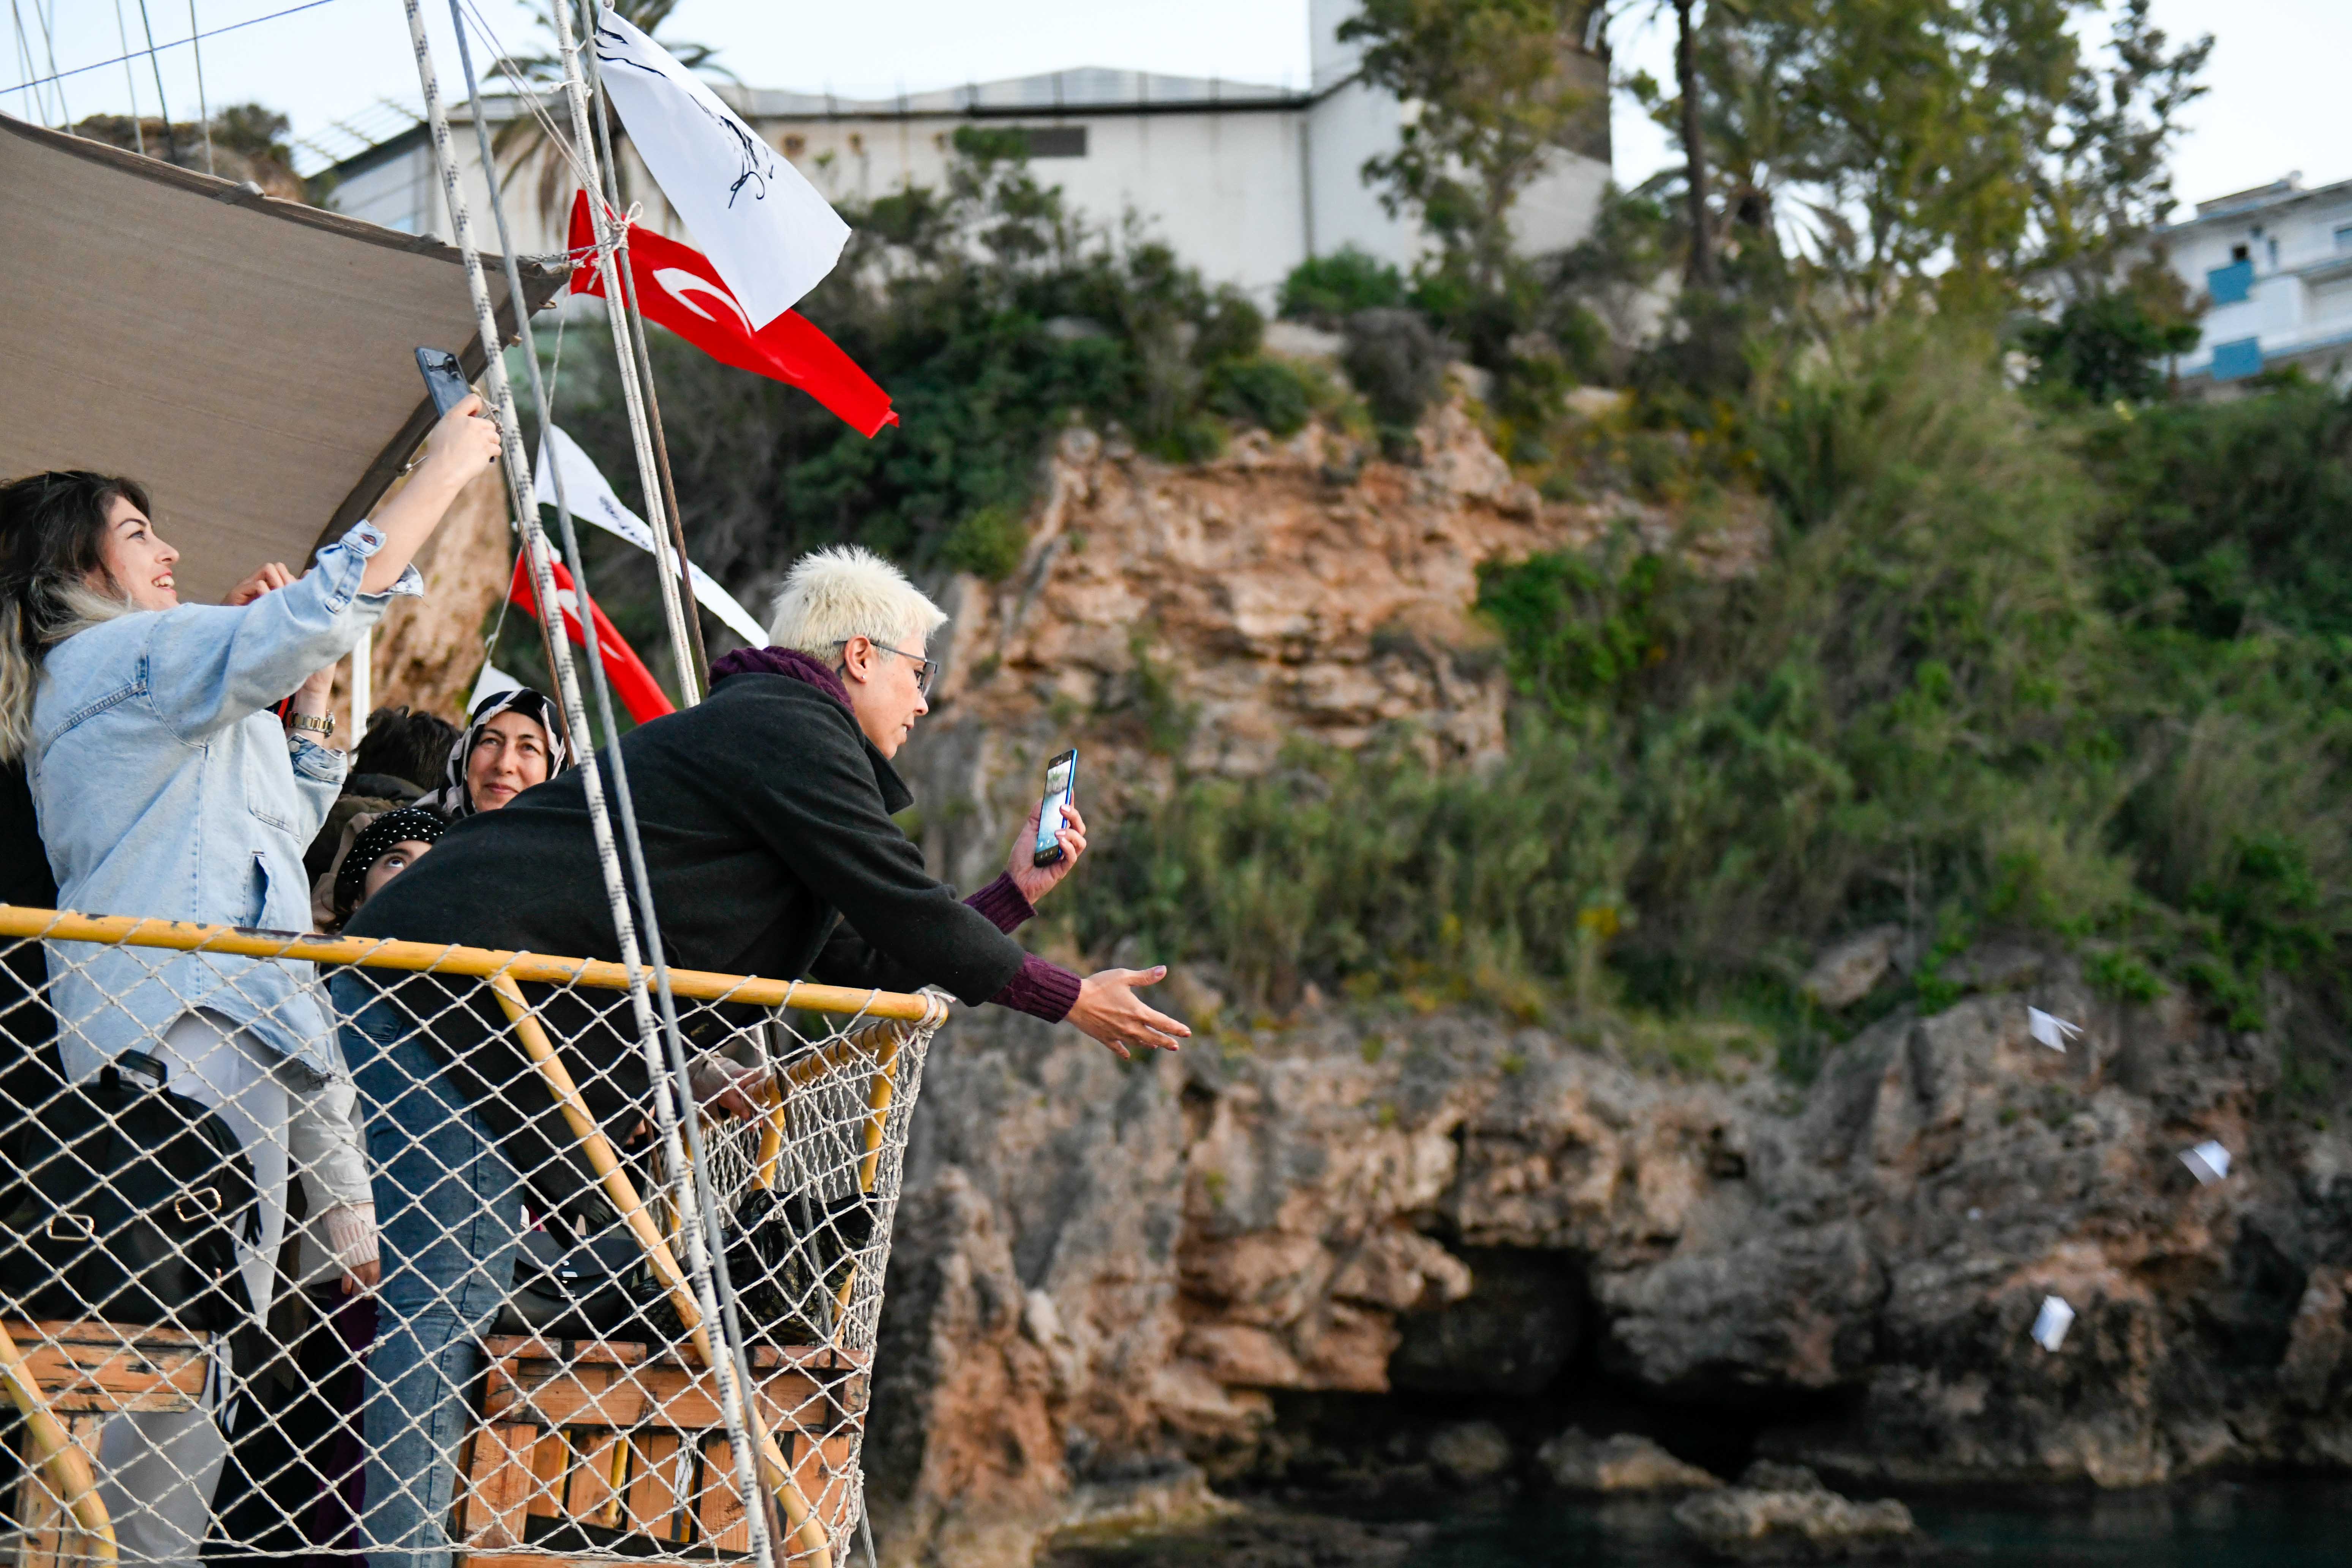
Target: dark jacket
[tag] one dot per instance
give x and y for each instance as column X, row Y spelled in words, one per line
column 28, row 1052
column 765, row 816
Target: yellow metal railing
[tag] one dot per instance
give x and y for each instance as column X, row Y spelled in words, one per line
column 505, row 972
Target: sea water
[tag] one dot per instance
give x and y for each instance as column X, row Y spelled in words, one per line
column 2265, row 1523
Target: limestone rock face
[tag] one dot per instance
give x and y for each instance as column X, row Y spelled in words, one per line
column 1473, row 1451
column 1209, row 616
column 1111, row 1272
column 1624, row 1463
column 1783, row 1513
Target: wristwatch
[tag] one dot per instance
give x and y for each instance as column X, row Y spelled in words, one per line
column 325, row 723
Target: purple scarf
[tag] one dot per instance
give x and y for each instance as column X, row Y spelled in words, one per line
column 780, row 661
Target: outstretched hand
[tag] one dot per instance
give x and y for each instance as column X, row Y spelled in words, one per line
column 1035, row 880
column 1108, row 1009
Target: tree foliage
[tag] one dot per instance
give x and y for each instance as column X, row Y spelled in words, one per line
column 1493, row 102
column 1973, row 147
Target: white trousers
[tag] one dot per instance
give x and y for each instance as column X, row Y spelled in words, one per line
column 157, row 1469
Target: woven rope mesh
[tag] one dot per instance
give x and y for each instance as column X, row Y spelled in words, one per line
column 190, row 1378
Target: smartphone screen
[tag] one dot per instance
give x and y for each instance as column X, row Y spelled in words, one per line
column 1061, row 782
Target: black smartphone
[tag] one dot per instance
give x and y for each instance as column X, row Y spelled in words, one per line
column 1061, row 783
column 444, row 379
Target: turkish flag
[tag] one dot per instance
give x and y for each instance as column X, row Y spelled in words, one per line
column 677, row 287
column 639, row 692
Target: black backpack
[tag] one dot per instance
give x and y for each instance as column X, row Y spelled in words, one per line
column 123, row 1203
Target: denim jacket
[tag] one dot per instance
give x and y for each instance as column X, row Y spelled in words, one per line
column 165, row 788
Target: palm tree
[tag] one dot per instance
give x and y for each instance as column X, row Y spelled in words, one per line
column 523, row 141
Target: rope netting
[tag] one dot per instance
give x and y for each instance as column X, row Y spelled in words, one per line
column 198, row 1365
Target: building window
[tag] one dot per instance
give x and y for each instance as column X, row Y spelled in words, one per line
column 2228, row 285
column 2239, row 253
column 2344, row 236
column 2236, row 360
column 1052, row 140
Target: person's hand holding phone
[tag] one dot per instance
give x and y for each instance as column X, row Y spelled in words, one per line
column 461, row 445
column 1035, row 880
column 1108, row 1010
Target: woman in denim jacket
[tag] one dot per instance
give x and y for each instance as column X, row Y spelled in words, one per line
column 166, row 787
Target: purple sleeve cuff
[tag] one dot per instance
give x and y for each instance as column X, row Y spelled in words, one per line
column 1040, row 989
column 1004, row 906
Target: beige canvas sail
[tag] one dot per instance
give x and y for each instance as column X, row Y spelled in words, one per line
column 251, row 360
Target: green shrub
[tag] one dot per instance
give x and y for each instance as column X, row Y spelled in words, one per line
column 1263, row 391
column 1326, row 288
column 1397, row 362
column 988, row 543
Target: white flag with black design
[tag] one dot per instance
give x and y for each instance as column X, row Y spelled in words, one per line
column 763, row 226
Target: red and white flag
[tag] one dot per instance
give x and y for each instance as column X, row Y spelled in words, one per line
column 639, row 692
column 677, row 287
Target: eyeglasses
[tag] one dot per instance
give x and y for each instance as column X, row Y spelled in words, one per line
column 926, row 669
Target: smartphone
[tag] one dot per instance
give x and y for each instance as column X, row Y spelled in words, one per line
column 1061, row 783
column 444, row 379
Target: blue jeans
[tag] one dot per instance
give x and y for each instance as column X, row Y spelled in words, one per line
column 448, row 1208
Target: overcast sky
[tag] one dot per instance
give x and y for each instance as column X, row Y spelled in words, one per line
column 2278, row 67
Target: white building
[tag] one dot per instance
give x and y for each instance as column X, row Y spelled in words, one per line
column 2275, row 265
column 1245, row 181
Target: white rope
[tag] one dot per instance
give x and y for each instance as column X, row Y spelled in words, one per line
column 668, row 571
column 204, row 106
column 706, row 1245
column 670, row 1093
column 129, row 81
column 170, row 142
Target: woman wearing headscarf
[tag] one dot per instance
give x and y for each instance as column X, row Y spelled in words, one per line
column 513, row 740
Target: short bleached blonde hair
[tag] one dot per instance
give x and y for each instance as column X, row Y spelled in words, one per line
column 846, row 590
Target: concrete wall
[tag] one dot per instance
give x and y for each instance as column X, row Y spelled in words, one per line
column 1244, row 188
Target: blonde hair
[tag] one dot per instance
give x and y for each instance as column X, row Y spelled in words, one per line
column 74, row 608
column 845, row 591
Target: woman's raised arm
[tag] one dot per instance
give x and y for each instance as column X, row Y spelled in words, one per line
column 460, row 447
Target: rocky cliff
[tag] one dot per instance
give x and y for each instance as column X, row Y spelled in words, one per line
column 1294, row 1255
column 1107, row 1274
column 1199, row 618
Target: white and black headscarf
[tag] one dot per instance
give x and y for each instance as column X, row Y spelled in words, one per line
column 453, row 799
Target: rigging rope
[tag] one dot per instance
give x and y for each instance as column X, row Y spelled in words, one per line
column 47, row 19
column 129, row 80
column 673, row 1098
column 170, row 144
column 205, row 118
column 613, row 241
column 713, row 1256
column 130, row 54
column 643, row 356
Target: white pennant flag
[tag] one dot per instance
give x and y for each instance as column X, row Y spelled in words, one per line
column 593, row 501
column 2208, row 1162
column 2051, row 1323
column 764, row 225
column 2050, row 1030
